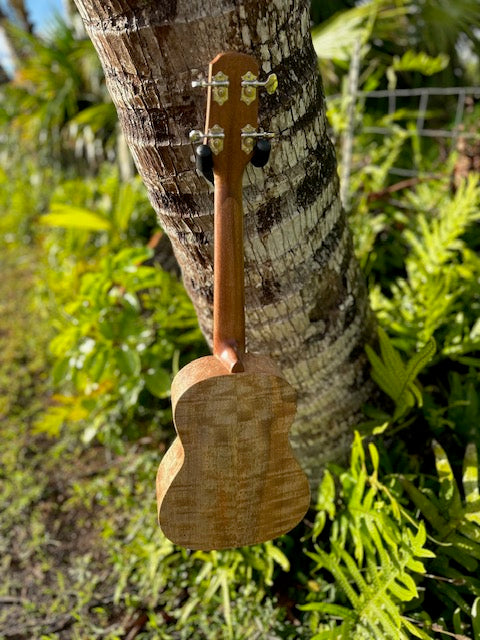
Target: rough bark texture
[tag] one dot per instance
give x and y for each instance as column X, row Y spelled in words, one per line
column 306, row 303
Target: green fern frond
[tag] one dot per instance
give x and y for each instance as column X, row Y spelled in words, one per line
column 456, row 531
column 394, row 377
column 325, row 503
column 437, row 296
column 420, row 359
column 374, row 593
column 373, row 556
column 450, row 498
column 471, row 485
column 475, row 613
column 440, row 236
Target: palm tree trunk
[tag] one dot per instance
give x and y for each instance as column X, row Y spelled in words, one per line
column 20, row 11
column 15, row 14
column 14, row 55
column 306, row 302
column 4, row 77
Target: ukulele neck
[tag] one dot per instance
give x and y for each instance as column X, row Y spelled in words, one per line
column 232, row 111
column 229, row 290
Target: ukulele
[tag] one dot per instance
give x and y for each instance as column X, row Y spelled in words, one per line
column 230, row 478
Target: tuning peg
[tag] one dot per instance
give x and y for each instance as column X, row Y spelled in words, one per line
column 270, row 84
column 196, row 135
column 204, row 161
column 219, row 83
column 261, row 152
column 215, row 135
column 249, row 137
column 218, row 80
column 250, row 83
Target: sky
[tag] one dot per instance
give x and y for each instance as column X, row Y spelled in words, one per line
column 41, row 12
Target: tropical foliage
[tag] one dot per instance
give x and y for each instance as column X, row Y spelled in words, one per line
column 389, row 30
column 92, row 330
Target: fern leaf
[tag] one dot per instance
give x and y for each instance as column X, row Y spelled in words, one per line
column 470, row 484
column 427, row 508
column 372, row 558
column 449, row 492
column 401, row 592
column 327, row 607
column 408, row 585
column 415, row 565
column 415, row 631
column 469, row 529
column 386, row 379
column 420, row 360
column 377, row 540
column 462, row 558
column 331, row 564
column 329, row 634
column 381, row 614
column 374, row 456
column 358, row 489
column 460, row 543
column 413, row 393
column 394, row 377
column 417, row 541
column 358, row 454
column 325, row 503
column 458, row 577
column 352, row 567
column 476, row 618
column 452, row 594
column 343, row 632
column 390, row 355
column 390, row 532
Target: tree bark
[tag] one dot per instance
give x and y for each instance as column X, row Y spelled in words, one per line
column 306, row 302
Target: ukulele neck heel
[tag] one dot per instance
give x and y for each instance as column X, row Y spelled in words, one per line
column 228, row 354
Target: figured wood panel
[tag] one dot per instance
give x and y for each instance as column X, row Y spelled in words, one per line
column 238, row 482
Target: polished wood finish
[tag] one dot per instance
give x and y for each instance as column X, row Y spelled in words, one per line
column 229, row 165
column 230, row 478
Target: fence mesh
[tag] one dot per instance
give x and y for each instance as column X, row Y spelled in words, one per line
column 452, row 133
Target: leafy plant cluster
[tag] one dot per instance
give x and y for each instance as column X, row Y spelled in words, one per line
column 398, row 35
column 390, row 549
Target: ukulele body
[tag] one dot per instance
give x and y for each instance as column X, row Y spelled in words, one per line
column 230, row 478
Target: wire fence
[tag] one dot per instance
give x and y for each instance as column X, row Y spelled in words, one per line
column 463, row 94
column 434, row 121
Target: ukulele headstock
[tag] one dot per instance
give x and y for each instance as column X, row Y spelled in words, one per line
column 232, row 116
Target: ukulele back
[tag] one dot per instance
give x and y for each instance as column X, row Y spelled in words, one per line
column 231, row 478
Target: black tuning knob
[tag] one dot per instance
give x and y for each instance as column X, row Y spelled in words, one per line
column 204, row 161
column 261, row 152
